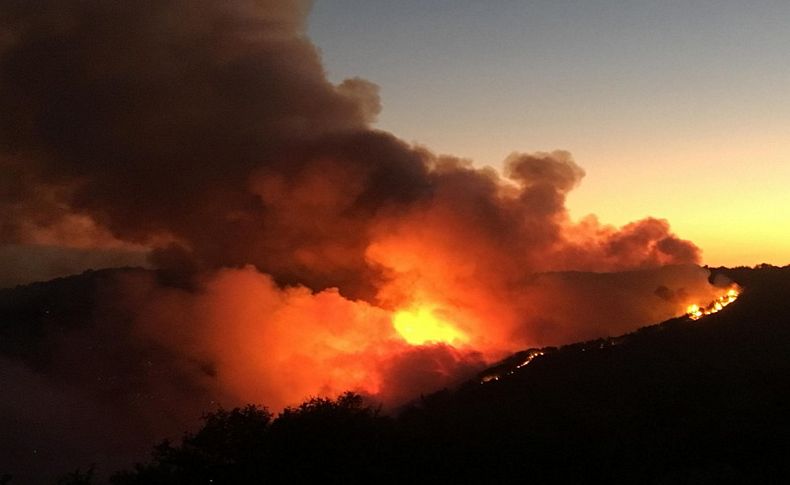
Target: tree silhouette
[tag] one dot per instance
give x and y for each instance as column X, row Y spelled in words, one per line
column 336, row 440
column 77, row 477
column 322, row 439
column 229, row 448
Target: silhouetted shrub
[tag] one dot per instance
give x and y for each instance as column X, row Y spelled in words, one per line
column 322, row 439
column 77, row 477
column 230, row 448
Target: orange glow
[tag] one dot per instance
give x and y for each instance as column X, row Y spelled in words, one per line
column 421, row 325
column 277, row 345
column 695, row 312
column 531, row 355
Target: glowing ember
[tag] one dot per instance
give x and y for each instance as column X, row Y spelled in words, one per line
column 495, row 375
column 420, row 325
column 695, row 312
column 530, row 357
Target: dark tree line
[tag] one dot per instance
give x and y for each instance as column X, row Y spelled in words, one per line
column 339, row 440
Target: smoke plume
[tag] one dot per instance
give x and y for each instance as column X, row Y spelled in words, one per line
column 290, row 234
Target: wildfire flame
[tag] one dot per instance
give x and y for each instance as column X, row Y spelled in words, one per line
column 530, row 356
column 423, row 324
column 695, row 312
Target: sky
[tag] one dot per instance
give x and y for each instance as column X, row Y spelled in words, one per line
column 678, row 110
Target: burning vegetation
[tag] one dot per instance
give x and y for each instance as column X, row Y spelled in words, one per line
column 521, row 359
column 422, row 326
column 695, row 312
column 512, row 364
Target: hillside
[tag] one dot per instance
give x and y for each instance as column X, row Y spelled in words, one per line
column 78, row 384
column 679, row 402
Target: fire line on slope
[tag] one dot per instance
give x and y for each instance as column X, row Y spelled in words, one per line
column 695, row 312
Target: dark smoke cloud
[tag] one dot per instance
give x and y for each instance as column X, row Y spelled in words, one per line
column 210, row 127
column 206, row 135
column 150, row 117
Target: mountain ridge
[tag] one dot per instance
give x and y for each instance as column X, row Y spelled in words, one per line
column 677, row 402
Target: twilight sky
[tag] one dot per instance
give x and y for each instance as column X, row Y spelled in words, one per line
column 675, row 109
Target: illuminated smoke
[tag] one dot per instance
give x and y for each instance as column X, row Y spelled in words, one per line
column 306, row 252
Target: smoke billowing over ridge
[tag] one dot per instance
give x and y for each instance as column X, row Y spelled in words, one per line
column 207, row 134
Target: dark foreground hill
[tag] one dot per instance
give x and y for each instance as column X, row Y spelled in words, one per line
column 680, row 402
column 685, row 401
column 77, row 385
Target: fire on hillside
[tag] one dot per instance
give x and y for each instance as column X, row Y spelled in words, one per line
column 695, row 312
